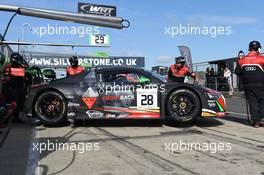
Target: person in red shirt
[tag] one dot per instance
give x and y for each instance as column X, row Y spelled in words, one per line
column 74, row 69
column 179, row 71
column 14, row 85
column 250, row 69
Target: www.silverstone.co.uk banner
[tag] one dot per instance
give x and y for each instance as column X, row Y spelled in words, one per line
column 62, row 61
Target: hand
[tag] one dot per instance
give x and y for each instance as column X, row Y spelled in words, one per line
column 193, row 74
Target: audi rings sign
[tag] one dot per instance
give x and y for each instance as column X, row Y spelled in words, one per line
column 250, row 68
column 45, row 61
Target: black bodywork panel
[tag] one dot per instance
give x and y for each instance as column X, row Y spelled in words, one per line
column 117, row 92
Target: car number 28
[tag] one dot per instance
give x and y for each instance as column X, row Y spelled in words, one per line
column 147, row 98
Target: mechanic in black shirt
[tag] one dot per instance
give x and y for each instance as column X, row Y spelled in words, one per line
column 251, row 70
column 14, row 87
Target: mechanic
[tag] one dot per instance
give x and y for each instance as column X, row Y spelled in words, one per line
column 6, row 110
column 74, row 69
column 179, row 71
column 14, row 87
column 250, row 69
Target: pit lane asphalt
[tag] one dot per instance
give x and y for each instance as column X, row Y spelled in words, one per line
column 138, row 147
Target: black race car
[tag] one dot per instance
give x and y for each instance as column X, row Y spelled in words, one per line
column 121, row 93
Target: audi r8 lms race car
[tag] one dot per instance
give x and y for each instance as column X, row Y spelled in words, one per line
column 121, row 93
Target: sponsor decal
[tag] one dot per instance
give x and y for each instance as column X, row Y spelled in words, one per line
column 221, row 104
column 110, row 116
column 70, row 97
column 250, row 69
column 90, row 92
column 89, row 101
column 211, row 103
column 70, row 104
column 71, row 114
column 94, row 114
column 18, row 72
column 110, row 98
column 96, row 9
column 127, row 97
column 147, row 98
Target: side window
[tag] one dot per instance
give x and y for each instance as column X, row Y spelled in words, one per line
column 90, row 76
column 126, row 77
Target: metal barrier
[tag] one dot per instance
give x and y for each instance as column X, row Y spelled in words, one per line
column 218, row 83
column 214, row 81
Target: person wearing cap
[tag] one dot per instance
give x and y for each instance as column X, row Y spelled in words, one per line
column 14, row 84
column 74, row 69
column 250, row 69
column 179, row 71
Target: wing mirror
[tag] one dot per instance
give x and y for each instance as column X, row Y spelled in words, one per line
column 50, row 74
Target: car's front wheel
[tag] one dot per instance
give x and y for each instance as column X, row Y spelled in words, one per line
column 50, row 108
column 183, row 105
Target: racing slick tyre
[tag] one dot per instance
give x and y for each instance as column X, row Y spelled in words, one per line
column 50, row 108
column 183, row 105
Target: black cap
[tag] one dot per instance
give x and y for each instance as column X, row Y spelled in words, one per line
column 254, row 45
column 180, row 60
column 17, row 60
column 73, row 61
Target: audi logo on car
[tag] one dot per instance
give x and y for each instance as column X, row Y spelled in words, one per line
column 250, row 68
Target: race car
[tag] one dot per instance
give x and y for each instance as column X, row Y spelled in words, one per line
column 121, row 93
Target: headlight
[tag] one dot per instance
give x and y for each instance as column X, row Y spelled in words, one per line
column 213, row 96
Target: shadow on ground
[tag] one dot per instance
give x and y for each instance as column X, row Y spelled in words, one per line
column 240, row 120
column 201, row 122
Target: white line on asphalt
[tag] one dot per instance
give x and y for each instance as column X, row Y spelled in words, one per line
column 33, row 156
column 236, row 113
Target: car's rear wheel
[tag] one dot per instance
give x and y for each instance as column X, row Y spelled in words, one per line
column 183, row 105
column 50, row 108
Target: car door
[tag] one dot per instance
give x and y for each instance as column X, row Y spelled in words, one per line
column 127, row 95
column 86, row 101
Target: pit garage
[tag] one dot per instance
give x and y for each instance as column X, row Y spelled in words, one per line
column 224, row 144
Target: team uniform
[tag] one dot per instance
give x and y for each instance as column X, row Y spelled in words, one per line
column 6, row 109
column 179, row 71
column 251, row 71
column 14, row 87
column 74, row 69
